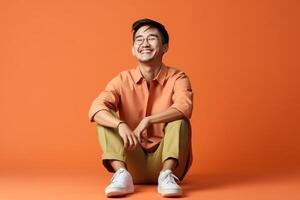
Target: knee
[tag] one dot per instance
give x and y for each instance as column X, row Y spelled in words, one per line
column 100, row 128
column 103, row 129
column 181, row 126
column 183, row 122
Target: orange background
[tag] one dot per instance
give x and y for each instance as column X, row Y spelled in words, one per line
column 242, row 58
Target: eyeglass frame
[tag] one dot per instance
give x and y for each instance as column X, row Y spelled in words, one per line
column 147, row 38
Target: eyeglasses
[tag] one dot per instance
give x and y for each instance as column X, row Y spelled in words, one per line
column 150, row 39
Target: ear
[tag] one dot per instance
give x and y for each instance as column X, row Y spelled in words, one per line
column 132, row 51
column 165, row 48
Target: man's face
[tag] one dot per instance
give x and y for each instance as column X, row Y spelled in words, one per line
column 147, row 45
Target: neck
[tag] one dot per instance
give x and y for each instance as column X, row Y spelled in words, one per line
column 150, row 70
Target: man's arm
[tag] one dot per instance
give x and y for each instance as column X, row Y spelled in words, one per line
column 182, row 106
column 107, row 119
column 100, row 112
column 182, row 102
column 170, row 114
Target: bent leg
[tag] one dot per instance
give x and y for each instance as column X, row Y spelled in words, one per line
column 111, row 145
column 113, row 149
column 175, row 144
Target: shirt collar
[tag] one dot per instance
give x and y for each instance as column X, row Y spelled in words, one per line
column 160, row 77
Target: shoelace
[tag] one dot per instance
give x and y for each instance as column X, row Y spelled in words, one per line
column 118, row 172
column 170, row 178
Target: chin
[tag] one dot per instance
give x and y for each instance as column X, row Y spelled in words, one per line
column 144, row 60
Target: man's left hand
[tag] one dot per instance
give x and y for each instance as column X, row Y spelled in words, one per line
column 141, row 127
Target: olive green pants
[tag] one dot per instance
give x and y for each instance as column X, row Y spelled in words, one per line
column 143, row 166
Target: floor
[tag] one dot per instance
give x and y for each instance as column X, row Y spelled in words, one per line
column 75, row 185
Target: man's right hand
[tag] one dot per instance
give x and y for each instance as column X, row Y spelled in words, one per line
column 129, row 139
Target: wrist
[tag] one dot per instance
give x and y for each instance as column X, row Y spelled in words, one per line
column 150, row 119
column 118, row 125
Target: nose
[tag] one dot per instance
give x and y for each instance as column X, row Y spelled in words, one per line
column 145, row 41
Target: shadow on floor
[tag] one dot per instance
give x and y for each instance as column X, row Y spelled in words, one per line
column 196, row 182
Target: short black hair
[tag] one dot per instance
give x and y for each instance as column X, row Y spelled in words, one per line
column 151, row 23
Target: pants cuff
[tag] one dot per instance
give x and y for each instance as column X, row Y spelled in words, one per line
column 106, row 157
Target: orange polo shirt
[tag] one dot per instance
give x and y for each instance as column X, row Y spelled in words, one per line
column 128, row 94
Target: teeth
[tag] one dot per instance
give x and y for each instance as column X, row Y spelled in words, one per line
column 145, row 51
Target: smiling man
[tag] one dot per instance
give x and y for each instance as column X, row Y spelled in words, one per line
column 142, row 118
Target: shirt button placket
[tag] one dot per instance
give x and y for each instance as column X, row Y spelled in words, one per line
column 148, row 92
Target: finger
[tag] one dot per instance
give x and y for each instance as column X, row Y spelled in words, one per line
column 135, row 141
column 130, row 145
column 142, row 139
column 139, row 138
column 136, row 135
column 125, row 142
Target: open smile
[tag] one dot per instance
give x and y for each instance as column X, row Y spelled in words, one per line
column 146, row 51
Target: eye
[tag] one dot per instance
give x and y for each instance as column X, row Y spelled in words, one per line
column 139, row 40
column 152, row 38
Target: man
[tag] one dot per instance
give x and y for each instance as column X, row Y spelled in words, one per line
column 143, row 117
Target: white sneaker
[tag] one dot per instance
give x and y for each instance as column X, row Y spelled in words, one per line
column 121, row 184
column 167, row 185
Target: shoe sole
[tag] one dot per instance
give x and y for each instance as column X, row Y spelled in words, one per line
column 117, row 192
column 170, row 193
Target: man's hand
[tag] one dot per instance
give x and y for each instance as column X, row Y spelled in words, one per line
column 129, row 138
column 141, row 127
